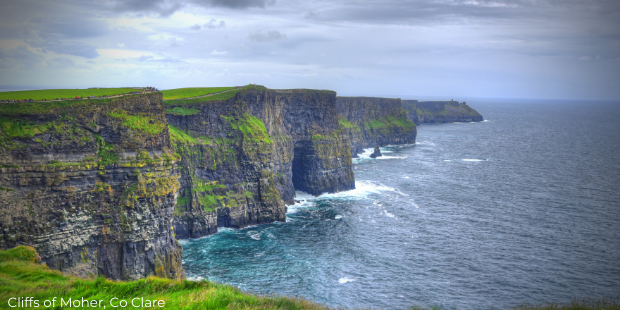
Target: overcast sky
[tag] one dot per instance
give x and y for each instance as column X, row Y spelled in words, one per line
column 555, row 49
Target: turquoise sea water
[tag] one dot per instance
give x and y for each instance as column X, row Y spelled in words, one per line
column 521, row 208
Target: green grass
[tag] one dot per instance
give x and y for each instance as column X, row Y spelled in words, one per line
column 140, row 123
column 346, row 124
column 20, row 276
column 182, row 111
column 253, row 128
column 219, row 97
column 178, row 136
column 180, row 93
column 51, row 94
column 389, row 121
column 15, row 128
column 51, row 107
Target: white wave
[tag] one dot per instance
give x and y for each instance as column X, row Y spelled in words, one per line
column 345, row 280
column 447, row 160
column 362, row 189
column 391, row 157
column 388, row 213
column 473, row 159
column 338, row 217
column 302, row 200
column 254, row 235
column 486, row 120
column 405, row 177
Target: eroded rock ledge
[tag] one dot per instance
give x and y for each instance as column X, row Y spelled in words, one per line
column 429, row 112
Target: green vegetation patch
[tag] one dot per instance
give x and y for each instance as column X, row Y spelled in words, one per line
column 15, row 128
column 388, row 122
column 253, row 128
column 191, row 92
column 217, row 97
column 137, row 122
column 182, row 111
column 346, row 124
column 52, row 107
column 24, row 278
column 51, row 94
column 178, row 136
column 105, row 155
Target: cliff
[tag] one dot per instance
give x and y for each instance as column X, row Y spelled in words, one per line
column 440, row 112
column 244, row 156
column 91, row 184
column 372, row 122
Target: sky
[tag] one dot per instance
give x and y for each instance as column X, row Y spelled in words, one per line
column 409, row 49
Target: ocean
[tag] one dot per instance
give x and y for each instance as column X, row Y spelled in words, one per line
column 523, row 208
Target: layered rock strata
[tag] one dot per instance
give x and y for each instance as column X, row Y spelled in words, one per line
column 371, row 122
column 92, row 185
column 429, row 112
column 243, row 157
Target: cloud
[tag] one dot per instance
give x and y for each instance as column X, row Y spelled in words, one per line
column 195, row 27
column 585, row 58
column 212, row 24
column 20, row 56
column 272, row 35
column 162, row 8
column 121, row 45
column 218, row 53
column 235, row 4
column 74, row 48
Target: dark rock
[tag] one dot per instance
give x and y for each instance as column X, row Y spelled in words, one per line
column 376, row 153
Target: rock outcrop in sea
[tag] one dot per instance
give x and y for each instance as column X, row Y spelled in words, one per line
column 376, row 153
column 429, row 112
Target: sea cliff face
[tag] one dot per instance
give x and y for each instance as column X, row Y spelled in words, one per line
column 440, row 112
column 91, row 185
column 242, row 158
column 105, row 187
column 372, row 122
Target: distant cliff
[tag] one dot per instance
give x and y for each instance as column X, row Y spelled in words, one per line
column 372, row 122
column 242, row 158
column 440, row 112
column 91, row 184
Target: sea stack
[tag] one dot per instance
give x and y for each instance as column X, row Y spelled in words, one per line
column 376, row 153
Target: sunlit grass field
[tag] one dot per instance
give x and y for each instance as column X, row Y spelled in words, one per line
column 51, row 94
column 191, row 92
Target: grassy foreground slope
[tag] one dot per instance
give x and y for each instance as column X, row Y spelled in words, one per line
column 191, row 92
column 51, row 94
column 21, row 276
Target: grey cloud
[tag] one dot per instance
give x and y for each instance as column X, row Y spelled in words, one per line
column 212, row 24
column 162, row 8
column 20, row 56
column 165, row 8
column 195, row 27
column 235, row 4
column 72, row 28
column 68, row 48
column 272, row 35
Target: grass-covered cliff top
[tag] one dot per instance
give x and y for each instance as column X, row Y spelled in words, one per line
column 214, row 96
column 180, row 93
column 21, row 276
column 51, row 94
